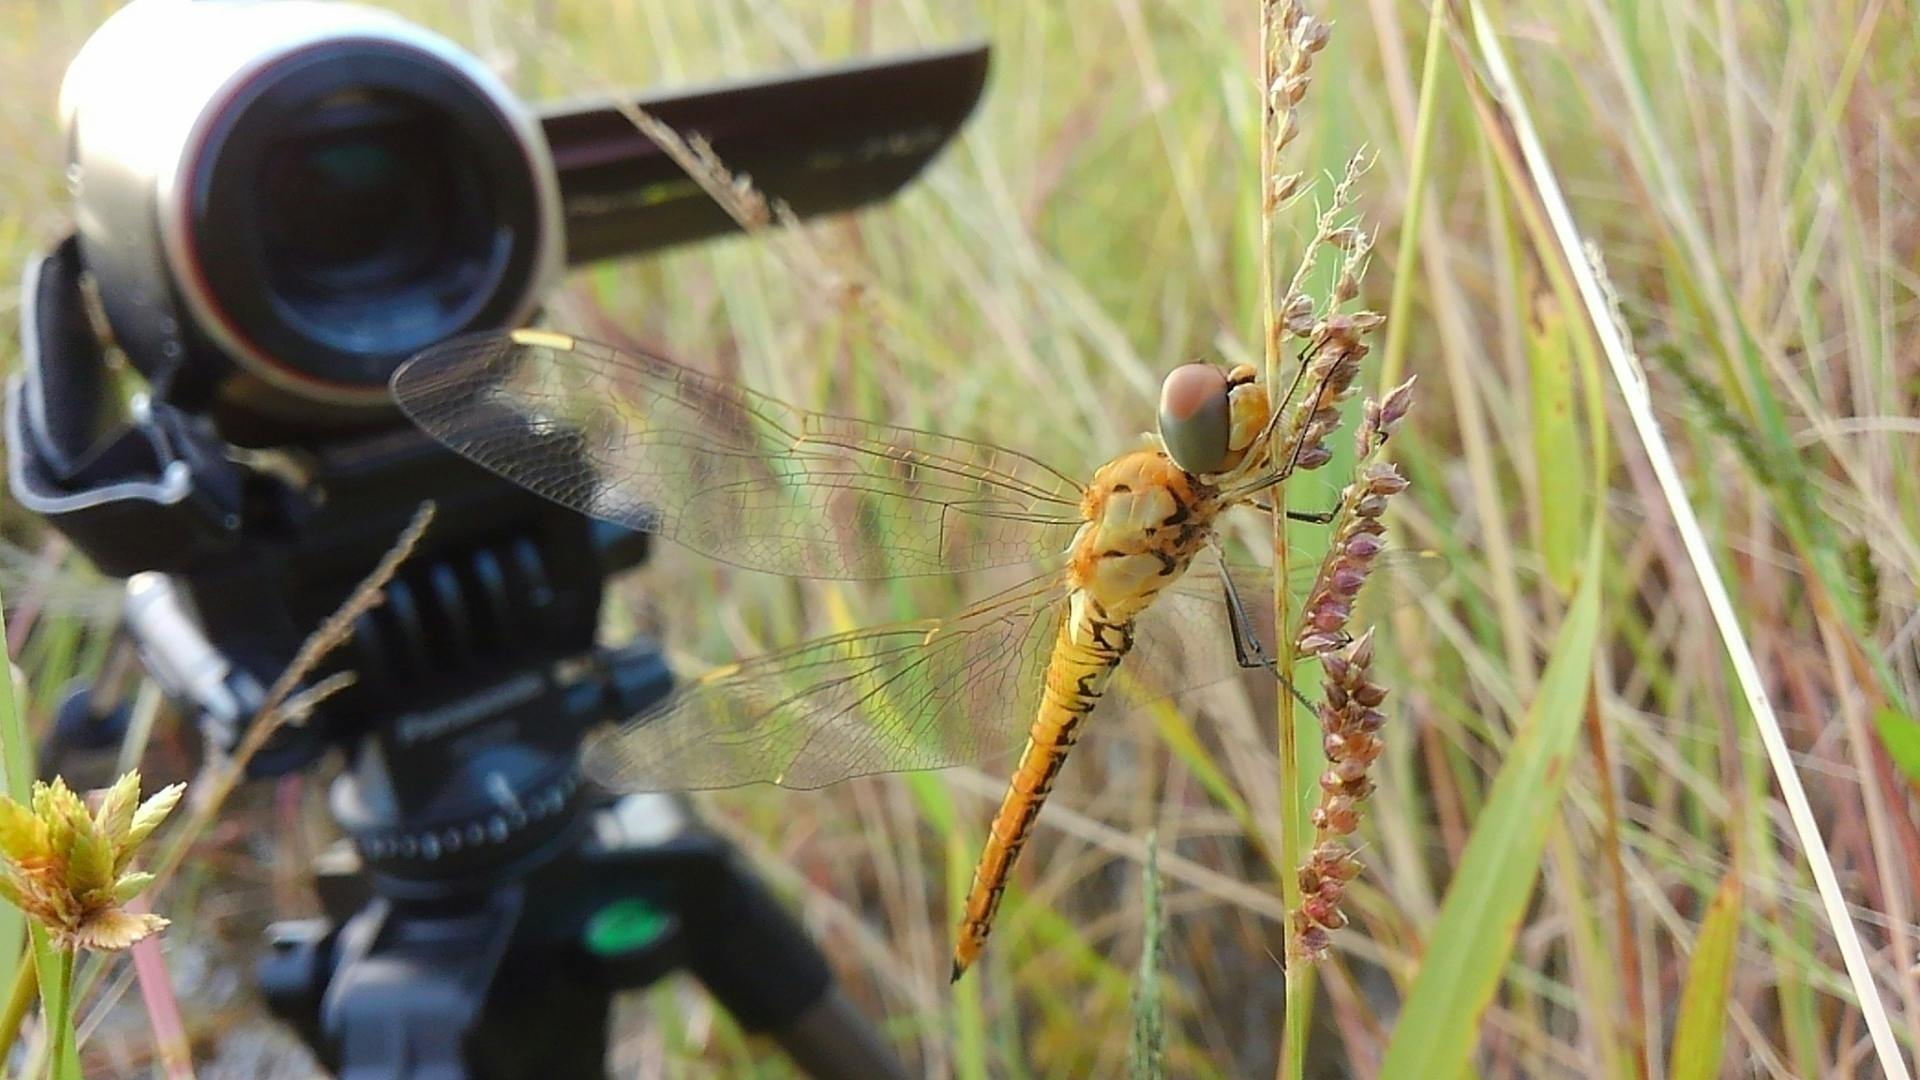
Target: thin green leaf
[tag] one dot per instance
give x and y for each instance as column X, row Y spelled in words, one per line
column 1557, row 457
column 1177, row 733
column 17, row 757
column 1900, row 734
column 971, row 1038
column 56, row 991
column 1148, row 1058
column 1470, row 942
column 1699, row 1039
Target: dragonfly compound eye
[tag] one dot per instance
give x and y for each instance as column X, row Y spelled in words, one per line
column 1195, row 420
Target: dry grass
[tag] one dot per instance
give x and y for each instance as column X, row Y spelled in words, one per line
column 1749, row 174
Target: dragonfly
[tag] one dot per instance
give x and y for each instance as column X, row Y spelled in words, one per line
column 637, row 440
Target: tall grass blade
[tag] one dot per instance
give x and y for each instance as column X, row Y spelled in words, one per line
column 17, row 758
column 1556, row 446
column 1470, row 942
column 971, row 1041
column 54, row 968
column 1699, row 1039
column 1400, row 305
column 1900, row 734
column 56, row 1000
column 1147, row 1061
column 1632, row 381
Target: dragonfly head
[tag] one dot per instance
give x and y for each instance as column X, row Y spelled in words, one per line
column 1195, row 418
column 1210, row 418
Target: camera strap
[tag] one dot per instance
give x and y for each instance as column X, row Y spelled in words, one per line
column 151, row 490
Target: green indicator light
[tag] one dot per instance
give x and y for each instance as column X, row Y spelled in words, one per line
column 623, row 927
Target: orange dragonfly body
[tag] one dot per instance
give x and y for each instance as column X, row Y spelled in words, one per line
column 745, row 479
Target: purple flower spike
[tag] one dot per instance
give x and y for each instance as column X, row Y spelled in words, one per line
column 1364, row 546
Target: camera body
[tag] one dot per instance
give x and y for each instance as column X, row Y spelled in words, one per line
column 277, row 203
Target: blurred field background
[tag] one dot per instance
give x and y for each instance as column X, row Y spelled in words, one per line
column 1748, row 172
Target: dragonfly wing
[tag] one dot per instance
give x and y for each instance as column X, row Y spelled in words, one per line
column 916, row 695
column 925, row 694
column 1183, row 642
column 643, row 442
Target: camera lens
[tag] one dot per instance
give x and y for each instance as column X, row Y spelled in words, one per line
column 280, row 202
column 356, row 203
column 357, row 200
column 375, row 223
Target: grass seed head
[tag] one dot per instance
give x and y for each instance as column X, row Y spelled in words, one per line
column 67, row 867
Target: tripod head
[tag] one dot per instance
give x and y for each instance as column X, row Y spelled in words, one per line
column 266, row 242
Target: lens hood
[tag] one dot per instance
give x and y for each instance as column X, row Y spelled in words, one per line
column 282, row 201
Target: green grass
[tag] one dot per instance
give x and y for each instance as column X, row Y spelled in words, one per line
column 1749, row 174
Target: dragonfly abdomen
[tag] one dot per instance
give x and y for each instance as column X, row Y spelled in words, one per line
column 1077, row 674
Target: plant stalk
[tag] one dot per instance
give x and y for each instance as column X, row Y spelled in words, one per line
column 1299, row 987
column 66, row 1044
column 56, row 997
column 1395, row 359
column 26, row 989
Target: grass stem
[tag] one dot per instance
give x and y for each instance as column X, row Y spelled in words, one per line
column 1394, row 359
column 1298, row 980
column 26, row 990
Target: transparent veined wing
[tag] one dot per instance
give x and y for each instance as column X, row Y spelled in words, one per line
column 929, row 693
column 915, row 695
column 740, row 477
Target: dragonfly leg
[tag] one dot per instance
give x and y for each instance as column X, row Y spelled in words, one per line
column 1311, row 517
column 1248, row 652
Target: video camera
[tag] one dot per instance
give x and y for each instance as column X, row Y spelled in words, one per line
column 278, row 202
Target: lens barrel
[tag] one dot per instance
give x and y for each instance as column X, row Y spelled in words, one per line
column 282, row 201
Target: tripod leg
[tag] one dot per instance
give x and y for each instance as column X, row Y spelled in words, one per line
column 724, row 926
column 410, row 985
column 764, row 968
column 832, row 1039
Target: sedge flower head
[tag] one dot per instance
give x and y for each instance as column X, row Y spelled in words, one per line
column 70, row 869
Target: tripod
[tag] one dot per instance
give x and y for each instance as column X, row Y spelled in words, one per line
column 492, row 906
column 516, row 981
column 496, row 904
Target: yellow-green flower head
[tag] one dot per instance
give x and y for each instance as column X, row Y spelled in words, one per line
column 68, row 869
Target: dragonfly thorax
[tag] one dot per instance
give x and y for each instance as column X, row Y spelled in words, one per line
column 1145, row 520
